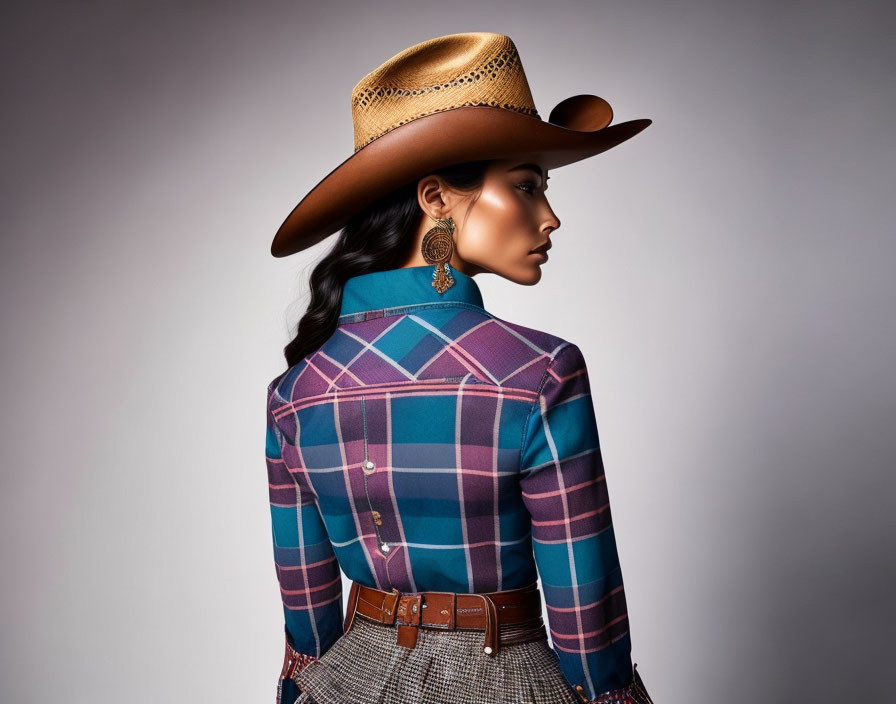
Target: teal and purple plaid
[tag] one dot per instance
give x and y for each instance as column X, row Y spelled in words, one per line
column 429, row 445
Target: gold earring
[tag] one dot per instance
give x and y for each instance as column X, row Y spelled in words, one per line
column 437, row 248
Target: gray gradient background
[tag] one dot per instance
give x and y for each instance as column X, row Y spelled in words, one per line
column 728, row 274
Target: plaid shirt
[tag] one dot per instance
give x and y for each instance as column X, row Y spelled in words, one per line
column 429, row 445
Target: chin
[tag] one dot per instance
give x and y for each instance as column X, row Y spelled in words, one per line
column 531, row 276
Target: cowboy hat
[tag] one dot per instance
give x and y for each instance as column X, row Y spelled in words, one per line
column 448, row 100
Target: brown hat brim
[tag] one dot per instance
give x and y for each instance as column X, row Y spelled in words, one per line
column 451, row 136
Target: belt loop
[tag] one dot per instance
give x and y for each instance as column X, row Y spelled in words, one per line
column 452, row 616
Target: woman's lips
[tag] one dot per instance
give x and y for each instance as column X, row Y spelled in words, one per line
column 542, row 251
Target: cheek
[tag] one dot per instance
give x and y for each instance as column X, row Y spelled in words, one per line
column 497, row 223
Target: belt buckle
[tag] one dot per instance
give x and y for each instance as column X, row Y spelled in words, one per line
column 410, row 607
column 388, row 608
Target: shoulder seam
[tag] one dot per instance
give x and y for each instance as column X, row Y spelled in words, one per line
column 272, row 389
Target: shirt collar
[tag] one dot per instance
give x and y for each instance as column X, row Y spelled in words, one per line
column 406, row 286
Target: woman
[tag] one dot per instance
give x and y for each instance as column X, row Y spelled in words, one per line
column 443, row 458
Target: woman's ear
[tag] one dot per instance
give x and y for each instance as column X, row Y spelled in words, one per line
column 431, row 196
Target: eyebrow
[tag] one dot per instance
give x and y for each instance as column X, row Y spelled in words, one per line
column 534, row 167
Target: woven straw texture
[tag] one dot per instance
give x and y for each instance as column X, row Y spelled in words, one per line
column 366, row 666
column 478, row 68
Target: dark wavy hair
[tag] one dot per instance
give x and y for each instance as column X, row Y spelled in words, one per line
column 378, row 238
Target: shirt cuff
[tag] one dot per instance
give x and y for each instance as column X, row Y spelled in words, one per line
column 632, row 693
column 293, row 663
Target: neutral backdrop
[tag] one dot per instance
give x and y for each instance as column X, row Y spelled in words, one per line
column 736, row 260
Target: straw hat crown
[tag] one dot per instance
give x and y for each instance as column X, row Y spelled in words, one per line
column 478, row 68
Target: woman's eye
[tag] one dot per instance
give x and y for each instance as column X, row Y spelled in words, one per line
column 526, row 185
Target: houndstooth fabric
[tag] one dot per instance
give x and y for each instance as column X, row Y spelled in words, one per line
column 367, row 666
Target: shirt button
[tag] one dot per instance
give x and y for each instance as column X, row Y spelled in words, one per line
column 386, row 547
column 369, row 466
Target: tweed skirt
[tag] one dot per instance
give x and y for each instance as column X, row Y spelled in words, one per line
column 367, row 666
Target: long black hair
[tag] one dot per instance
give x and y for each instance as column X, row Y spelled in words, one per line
column 378, row 238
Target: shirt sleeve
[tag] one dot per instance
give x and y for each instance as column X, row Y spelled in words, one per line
column 307, row 569
column 565, row 491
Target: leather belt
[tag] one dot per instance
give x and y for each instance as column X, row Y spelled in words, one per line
column 509, row 616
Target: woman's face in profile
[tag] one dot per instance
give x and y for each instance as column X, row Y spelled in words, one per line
column 510, row 218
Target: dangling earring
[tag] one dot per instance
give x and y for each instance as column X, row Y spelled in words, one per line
column 437, row 248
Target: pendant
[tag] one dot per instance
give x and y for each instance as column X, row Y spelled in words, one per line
column 442, row 278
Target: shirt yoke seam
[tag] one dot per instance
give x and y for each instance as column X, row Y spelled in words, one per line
column 374, row 313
